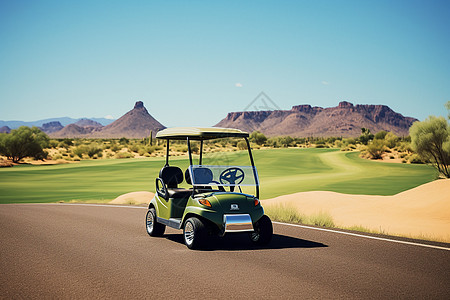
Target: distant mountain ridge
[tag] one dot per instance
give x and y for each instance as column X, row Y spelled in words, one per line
column 39, row 123
column 345, row 120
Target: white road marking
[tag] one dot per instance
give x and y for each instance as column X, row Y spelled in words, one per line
column 287, row 224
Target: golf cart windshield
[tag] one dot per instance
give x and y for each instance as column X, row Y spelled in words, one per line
column 202, row 175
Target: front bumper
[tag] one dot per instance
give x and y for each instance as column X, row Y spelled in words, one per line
column 237, row 223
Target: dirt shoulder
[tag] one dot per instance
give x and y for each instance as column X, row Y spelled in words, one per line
column 422, row 212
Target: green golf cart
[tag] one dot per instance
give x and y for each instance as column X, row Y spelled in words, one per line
column 212, row 201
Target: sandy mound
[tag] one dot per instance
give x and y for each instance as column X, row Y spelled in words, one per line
column 134, row 198
column 420, row 212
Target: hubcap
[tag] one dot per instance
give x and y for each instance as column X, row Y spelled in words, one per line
column 189, row 233
column 149, row 222
column 254, row 236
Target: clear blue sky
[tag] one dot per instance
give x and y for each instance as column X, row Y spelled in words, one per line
column 191, row 62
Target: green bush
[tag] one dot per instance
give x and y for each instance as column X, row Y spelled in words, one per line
column 365, row 136
column 124, row 141
column 115, row 147
column 93, row 150
column 380, row 135
column 134, row 148
column 376, row 149
column 285, row 141
column 391, row 140
column 258, row 138
column 24, row 142
column 80, row 150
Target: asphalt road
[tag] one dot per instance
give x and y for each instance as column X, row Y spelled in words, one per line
column 79, row 251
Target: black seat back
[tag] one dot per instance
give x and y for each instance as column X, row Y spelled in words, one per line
column 171, row 175
column 202, row 176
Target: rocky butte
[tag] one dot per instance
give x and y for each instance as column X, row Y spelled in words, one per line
column 137, row 123
column 344, row 120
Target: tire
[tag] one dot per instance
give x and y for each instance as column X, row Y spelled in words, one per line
column 153, row 228
column 195, row 233
column 263, row 231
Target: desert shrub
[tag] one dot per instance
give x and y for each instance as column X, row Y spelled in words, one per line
column 57, row 156
column 66, row 142
column 115, row 147
column 93, row 150
column 80, row 150
column 124, row 141
column 134, row 148
column 320, row 144
column 376, row 148
column 338, row 144
column 54, row 144
column 415, row 159
column 124, row 155
column 403, row 146
column 380, row 135
column 242, row 145
column 195, row 148
column 149, row 150
column 272, row 142
column 391, row 140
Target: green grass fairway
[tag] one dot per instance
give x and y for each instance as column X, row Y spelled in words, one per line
column 281, row 171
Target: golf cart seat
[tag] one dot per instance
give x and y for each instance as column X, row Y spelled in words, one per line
column 202, row 175
column 171, row 176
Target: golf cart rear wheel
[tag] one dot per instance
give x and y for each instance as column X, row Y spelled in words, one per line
column 194, row 233
column 153, row 228
column 263, row 231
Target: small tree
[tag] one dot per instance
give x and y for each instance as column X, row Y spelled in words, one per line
column 258, row 137
column 447, row 105
column 24, row 142
column 365, row 136
column 380, row 135
column 285, row 141
column 431, row 140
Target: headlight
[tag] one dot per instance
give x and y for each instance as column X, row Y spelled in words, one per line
column 205, row 202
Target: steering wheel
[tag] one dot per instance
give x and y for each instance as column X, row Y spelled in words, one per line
column 221, row 188
column 232, row 175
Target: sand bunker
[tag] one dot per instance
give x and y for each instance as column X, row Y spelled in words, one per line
column 420, row 212
column 134, row 198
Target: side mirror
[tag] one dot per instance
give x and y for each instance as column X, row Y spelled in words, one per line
column 161, row 189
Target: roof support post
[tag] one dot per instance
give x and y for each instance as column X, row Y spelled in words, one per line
column 167, row 153
column 253, row 167
column 201, row 152
column 189, row 150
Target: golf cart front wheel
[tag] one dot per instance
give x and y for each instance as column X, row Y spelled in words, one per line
column 153, row 228
column 194, row 233
column 263, row 231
